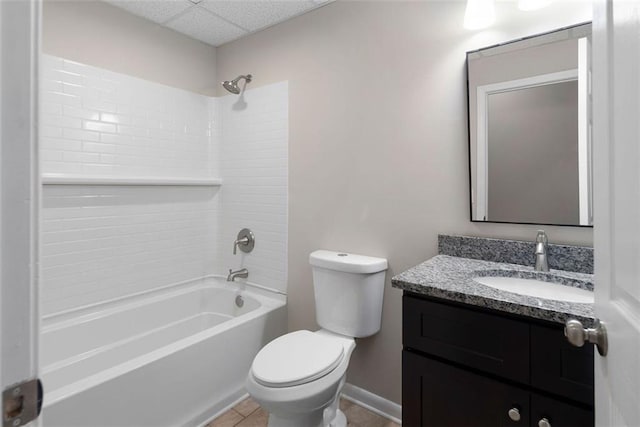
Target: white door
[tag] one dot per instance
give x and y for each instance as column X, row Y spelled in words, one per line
column 19, row 195
column 616, row 126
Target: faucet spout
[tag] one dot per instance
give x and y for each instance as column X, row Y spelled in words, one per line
column 542, row 263
column 242, row 273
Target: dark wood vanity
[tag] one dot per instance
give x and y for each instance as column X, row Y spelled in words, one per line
column 464, row 365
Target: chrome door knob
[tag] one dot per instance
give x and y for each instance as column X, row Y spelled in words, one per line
column 577, row 335
column 514, row 414
column 544, row 423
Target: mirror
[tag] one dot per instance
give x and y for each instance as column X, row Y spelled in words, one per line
column 529, row 130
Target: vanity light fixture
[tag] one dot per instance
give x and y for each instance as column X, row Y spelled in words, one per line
column 527, row 5
column 479, row 14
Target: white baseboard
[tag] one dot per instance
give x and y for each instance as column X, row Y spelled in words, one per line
column 373, row 402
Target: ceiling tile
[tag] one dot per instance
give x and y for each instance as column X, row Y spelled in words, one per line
column 154, row 10
column 254, row 15
column 206, row 27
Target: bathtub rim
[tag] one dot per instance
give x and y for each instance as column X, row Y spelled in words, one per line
column 93, row 310
column 268, row 300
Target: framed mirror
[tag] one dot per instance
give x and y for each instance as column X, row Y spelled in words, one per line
column 529, row 106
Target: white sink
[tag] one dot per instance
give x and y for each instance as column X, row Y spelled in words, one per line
column 538, row 289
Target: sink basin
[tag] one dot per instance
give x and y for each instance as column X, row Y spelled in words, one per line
column 538, row 289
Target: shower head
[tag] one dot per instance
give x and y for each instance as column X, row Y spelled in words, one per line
column 232, row 85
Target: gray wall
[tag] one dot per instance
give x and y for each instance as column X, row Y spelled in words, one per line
column 378, row 158
column 96, row 33
column 533, row 155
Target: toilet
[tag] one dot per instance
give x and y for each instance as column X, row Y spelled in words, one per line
column 298, row 377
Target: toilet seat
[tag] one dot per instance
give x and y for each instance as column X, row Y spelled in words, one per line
column 296, row 358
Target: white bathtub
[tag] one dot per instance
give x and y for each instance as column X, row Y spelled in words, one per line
column 174, row 357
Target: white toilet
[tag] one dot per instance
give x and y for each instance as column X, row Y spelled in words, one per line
column 298, row 376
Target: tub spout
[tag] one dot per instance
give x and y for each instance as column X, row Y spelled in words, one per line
column 242, row 273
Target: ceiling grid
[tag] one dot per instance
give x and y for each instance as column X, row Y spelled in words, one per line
column 216, row 22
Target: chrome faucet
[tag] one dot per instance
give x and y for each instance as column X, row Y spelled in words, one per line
column 242, row 273
column 541, row 251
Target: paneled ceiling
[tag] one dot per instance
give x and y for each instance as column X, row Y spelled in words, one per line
column 216, row 22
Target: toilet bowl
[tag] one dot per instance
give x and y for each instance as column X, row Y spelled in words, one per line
column 307, row 394
column 298, row 377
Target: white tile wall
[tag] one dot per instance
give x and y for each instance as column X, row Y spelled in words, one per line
column 97, row 122
column 105, row 242
column 255, row 172
column 101, row 243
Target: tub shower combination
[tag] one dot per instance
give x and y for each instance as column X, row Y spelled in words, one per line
column 136, row 330
column 170, row 357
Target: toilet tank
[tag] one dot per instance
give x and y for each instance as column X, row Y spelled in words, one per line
column 348, row 291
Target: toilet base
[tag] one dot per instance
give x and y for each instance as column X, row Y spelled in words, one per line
column 340, row 420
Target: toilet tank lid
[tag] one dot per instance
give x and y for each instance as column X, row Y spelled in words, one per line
column 346, row 262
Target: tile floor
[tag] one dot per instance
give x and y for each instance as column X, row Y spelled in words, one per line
column 249, row 414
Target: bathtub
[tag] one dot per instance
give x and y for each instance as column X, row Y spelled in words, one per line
column 173, row 357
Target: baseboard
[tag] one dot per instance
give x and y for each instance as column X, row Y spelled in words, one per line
column 373, row 402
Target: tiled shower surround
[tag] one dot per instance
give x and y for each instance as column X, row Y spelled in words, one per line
column 106, row 242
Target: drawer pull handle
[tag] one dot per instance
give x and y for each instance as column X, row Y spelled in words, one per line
column 577, row 335
column 544, row 423
column 514, row 414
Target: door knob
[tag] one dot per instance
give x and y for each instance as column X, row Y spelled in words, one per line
column 544, row 423
column 577, row 335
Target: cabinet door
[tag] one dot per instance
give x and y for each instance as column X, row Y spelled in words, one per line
column 558, row 414
column 560, row 368
column 436, row 394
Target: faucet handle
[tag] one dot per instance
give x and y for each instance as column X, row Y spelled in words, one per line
column 245, row 241
column 541, row 237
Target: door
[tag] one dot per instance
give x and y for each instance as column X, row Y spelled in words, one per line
column 616, row 92
column 19, row 194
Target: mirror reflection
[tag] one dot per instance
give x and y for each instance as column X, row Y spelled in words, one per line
column 529, row 137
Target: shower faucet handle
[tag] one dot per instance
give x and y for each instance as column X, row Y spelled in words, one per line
column 246, row 241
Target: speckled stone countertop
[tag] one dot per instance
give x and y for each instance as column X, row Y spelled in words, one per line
column 451, row 278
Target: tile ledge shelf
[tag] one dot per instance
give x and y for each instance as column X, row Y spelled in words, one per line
column 69, row 179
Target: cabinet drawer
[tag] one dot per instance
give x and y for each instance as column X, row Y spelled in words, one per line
column 560, row 368
column 437, row 394
column 483, row 341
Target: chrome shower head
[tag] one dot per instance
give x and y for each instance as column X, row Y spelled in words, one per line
column 232, row 85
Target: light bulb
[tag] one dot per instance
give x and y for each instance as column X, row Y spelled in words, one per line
column 479, row 14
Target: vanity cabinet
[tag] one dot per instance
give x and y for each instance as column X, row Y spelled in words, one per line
column 467, row 366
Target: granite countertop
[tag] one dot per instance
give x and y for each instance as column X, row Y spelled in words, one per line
column 451, row 278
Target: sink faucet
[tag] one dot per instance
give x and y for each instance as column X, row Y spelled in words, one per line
column 242, row 273
column 541, row 251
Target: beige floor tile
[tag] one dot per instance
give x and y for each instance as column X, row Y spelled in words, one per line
column 358, row 416
column 246, row 407
column 259, row 418
column 228, row 419
column 345, row 404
